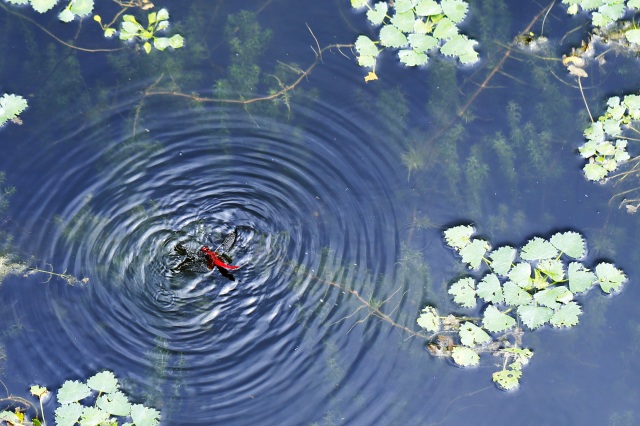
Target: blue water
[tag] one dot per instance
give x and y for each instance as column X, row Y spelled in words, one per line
column 108, row 180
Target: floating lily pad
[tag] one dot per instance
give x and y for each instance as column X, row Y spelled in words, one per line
column 514, row 295
column 472, row 335
column 72, row 391
column 581, row 279
column 570, row 243
column 609, row 277
column 534, row 316
column 474, row 252
column 392, row 37
column 465, row 357
column 537, row 249
column 502, row 259
column 496, row 321
column 459, row 236
column 429, row 319
column 490, row 290
column 464, row 292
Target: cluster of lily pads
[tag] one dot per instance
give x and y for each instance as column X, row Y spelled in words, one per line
column 532, row 286
column 416, row 27
column 605, row 12
column 10, row 107
column 605, row 149
column 108, row 403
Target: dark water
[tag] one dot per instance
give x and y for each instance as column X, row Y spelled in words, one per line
column 330, row 221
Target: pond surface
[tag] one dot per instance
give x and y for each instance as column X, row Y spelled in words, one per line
column 339, row 191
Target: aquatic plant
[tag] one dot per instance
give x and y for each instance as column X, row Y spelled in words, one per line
column 10, row 107
column 416, row 28
column 604, row 12
column 157, row 21
column 532, row 286
column 97, row 401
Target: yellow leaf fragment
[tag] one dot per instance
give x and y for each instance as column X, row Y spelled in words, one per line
column 371, row 76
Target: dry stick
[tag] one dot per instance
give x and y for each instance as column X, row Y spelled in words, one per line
column 374, row 311
column 282, row 91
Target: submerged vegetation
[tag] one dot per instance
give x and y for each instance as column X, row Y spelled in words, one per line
column 532, row 286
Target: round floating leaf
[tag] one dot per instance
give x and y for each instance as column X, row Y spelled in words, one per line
column 445, row 29
column 502, row 260
column 68, row 414
column 161, row 43
column 496, row 321
column 82, row 7
column 609, row 277
column 403, row 21
column 402, row 6
column 392, row 37
column 534, row 316
column 459, row 236
column 521, row 275
column 490, row 290
column 472, row 335
column 428, row 8
column 580, row 278
column 357, row 4
column 66, row 15
column 411, row 58
column 514, row 295
column 594, row 172
column 42, row 6
column 570, row 243
column 465, row 357
column 163, row 14
column 176, row 41
column 537, row 249
column 115, row 403
column 104, row 382
column 422, row 42
column 507, row 379
column 459, row 45
column 93, row 416
column 366, row 47
column 567, row 315
column 11, row 106
column 144, row 416
column 552, row 297
column 474, row 252
column 454, row 9
column 464, row 292
column 72, row 391
column 595, row 132
column 429, row 319
column 553, row 268
column 378, row 13
column 632, row 102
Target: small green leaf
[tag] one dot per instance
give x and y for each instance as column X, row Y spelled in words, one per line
column 11, row 106
column 609, row 277
column 403, row 21
column 464, row 292
column 68, row 414
column 402, row 6
column 411, row 58
column 570, row 243
column 474, row 252
column 580, row 278
column 490, row 290
column 147, row 47
column 109, row 32
column 445, row 29
column 521, row 275
column 378, row 13
column 537, row 249
column 428, row 8
column 82, row 7
column 144, row 416
column 422, row 42
column 454, row 9
column 459, row 236
column 93, row 416
column 514, row 295
column 176, row 41
column 502, row 260
column 163, row 14
column 42, row 6
column 472, row 335
column 392, row 37
column 429, row 319
column 464, row 357
column 496, row 321
column 595, row 172
column 366, row 47
column 72, row 391
column 553, row 268
column 38, row 391
column 534, row 316
column 115, row 403
column 459, row 45
column 553, row 296
column 357, row 4
column 11, row 417
column 66, row 15
column 567, row 315
column 104, row 382
column 160, row 43
column 507, row 379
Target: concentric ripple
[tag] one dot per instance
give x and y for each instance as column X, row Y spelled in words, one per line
column 308, row 197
